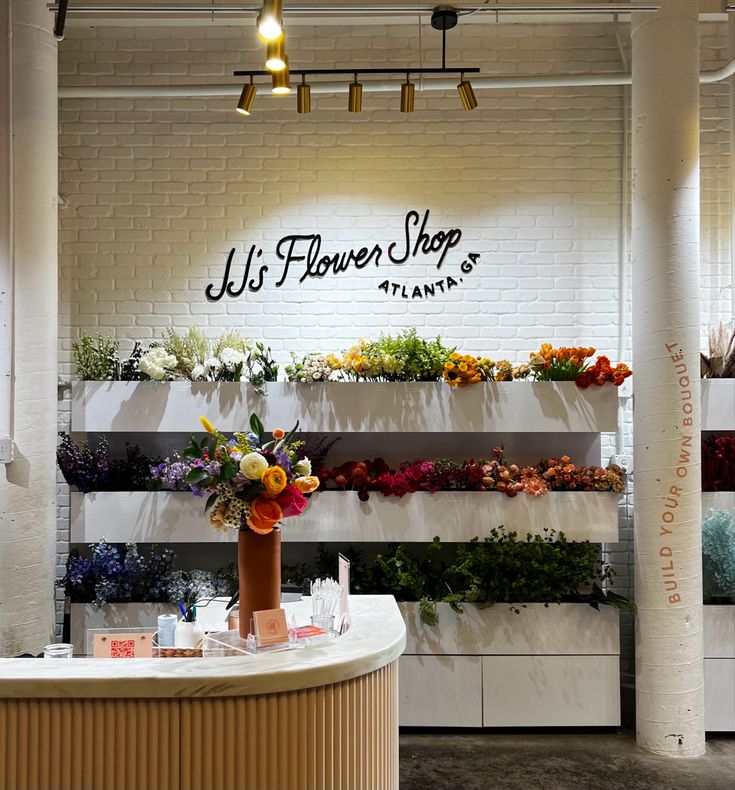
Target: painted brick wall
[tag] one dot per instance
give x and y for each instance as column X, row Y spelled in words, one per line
column 155, row 192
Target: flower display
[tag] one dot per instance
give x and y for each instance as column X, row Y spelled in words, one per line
column 118, row 574
column 572, row 364
column 169, row 475
column 252, row 483
column 312, row 368
column 602, row 372
column 718, row 463
column 494, row 474
column 157, row 364
column 394, row 358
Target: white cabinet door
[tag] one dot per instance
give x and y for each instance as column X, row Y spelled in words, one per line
column 551, row 691
column 440, row 691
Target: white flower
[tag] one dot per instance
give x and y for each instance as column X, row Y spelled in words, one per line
column 231, row 358
column 157, row 364
column 253, row 465
column 198, row 373
column 302, row 468
column 212, row 363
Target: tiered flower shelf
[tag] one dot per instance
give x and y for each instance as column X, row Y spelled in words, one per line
column 337, row 516
column 513, row 407
column 477, row 669
column 718, row 414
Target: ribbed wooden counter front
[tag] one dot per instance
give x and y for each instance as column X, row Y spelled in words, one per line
column 336, row 736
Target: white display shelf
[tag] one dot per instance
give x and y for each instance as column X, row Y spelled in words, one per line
column 342, row 407
column 719, row 668
column 559, row 629
column 718, row 404
column 178, row 517
column 545, row 667
column 718, row 500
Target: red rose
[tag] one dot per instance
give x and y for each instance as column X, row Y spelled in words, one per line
column 292, row 501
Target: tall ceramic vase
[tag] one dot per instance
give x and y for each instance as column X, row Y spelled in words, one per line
column 259, row 569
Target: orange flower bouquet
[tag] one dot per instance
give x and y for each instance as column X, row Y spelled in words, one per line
column 572, row 364
column 252, row 482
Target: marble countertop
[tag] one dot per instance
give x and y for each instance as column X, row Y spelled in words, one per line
column 377, row 637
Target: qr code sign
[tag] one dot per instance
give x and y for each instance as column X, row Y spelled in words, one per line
column 122, row 648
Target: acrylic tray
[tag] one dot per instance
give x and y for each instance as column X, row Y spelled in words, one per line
column 230, row 643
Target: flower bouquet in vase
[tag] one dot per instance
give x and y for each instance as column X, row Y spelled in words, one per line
column 253, row 482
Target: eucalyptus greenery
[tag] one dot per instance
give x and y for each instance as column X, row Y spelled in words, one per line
column 718, row 549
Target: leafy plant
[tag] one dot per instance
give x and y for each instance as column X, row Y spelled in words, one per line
column 129, row 370
column 718, row 549
column 95, row 357
column 261, row 367
column 420, row 360
column 500, row 569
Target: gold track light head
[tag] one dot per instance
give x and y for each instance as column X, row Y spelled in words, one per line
column 247, row 97
column 408, row 90
column 354, row 103
column 303, row 97
column 466, row 94
column 270, row 24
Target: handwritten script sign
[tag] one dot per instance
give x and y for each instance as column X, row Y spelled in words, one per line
column 301, row 257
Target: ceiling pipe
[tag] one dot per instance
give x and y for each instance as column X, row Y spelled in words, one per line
column 391, row 10
column 481, row 83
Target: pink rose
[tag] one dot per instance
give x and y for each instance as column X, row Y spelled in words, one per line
column 292, row 501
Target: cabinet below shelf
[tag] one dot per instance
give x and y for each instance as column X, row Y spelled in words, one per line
column 339, row 516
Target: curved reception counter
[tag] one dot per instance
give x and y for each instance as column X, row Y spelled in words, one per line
column 319, row 717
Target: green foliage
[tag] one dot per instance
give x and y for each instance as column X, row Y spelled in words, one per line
column 418, row 359
column 718, row 549
column 95, row 357
column 261, row 366
column 500, row 569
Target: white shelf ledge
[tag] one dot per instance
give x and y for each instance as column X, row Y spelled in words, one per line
column 522, row 407
column 718, row 404
column 178, row 517
column 717, row 500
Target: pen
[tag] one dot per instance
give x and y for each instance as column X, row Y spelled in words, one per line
column 183, row 612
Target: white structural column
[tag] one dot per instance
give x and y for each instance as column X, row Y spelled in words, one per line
column 666, row 307
column 28, row 323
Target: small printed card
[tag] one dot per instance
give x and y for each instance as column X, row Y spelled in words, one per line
column 270, row 627
column 120, row 645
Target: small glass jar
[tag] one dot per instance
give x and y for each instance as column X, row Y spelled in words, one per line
column 323, row 621
column 60, row 650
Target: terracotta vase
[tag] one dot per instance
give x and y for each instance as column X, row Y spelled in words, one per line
column 259, row 569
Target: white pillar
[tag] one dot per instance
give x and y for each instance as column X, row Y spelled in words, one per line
column 28, row 323
column 666, row 308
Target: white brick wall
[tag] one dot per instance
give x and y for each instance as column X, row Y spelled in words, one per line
column 156, row 191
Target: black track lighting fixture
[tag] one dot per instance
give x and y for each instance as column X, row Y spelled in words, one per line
column 60, row 20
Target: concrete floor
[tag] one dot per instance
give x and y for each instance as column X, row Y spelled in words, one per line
column 610, row 761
